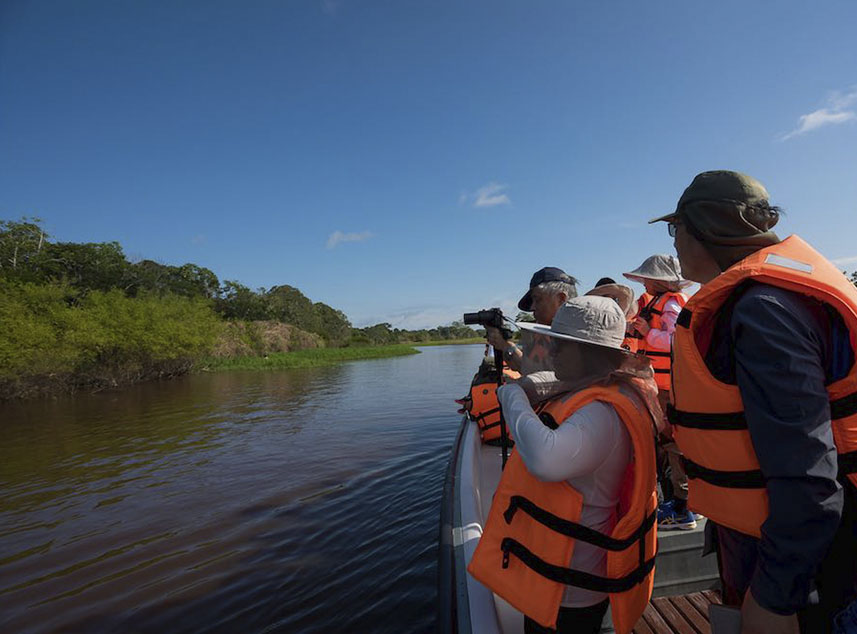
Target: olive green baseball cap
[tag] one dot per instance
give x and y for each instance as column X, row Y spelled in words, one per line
column 721, row 186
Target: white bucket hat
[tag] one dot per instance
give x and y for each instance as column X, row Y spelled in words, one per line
column 621, row 294
column 589, row 319
column 661, row 268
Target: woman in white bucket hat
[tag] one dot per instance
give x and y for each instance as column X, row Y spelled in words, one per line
column 659, row 309
column 654, row 328
column 578, row 438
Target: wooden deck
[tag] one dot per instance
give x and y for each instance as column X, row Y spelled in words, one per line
column 682, row 614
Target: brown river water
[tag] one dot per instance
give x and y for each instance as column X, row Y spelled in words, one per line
column 290, row 501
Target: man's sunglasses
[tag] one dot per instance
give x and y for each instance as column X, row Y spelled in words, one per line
column 672, row 227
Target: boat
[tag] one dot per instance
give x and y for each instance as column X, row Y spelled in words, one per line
column 466, row 606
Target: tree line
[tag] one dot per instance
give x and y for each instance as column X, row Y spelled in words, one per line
column 29, row 256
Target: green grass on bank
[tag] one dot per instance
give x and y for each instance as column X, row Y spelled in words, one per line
column 305, row 358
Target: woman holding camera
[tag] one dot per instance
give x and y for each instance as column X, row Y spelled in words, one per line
column 571, row 527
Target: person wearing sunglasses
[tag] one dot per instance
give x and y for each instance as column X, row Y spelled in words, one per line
column 763, row 406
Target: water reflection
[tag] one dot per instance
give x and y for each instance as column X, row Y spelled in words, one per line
column 294, row 501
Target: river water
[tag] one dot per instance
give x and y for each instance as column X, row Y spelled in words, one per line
column 291, row 501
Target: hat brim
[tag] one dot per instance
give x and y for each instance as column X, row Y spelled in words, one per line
column 642, row 280
column 526, row 302
column 541, row 329
column 667, row 218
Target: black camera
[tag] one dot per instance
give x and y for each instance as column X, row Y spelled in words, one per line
column 488, row 317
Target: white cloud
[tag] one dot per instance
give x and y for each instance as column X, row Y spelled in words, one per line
column 850, row 259
column 491, row 195
column 835, row 113
column 338, row 237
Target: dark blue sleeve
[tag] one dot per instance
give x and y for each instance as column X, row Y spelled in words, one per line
column 780, row 348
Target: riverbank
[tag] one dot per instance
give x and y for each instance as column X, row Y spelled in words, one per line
column 453, row 342
column 310, row 358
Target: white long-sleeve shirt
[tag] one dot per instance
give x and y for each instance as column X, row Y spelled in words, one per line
column 590, row 450
column 661, row 338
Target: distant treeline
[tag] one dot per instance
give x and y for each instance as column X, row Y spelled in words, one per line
column 28, row 255
column 83, row 310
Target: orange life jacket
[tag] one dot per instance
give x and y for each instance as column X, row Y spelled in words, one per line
column 632, row 341
column 527, row 545
column 485, row 409
column 652, row 312
column 725, row 481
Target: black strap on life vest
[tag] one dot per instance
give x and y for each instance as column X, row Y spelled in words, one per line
column 752, row 479
column 844, row 407
column 657, row 353
column 573, row 529
column 649, row 309
column 571, row 577
column 847, row 463
column 481, row 419
column 684, row 318
column 732, row 421
column 582, row 533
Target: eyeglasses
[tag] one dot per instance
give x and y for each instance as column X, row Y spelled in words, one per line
column 672, row 227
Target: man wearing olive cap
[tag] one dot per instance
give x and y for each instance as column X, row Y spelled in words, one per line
column 762, row 405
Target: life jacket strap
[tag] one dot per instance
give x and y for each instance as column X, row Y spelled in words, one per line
column 752, row 479
column 844, row 407
column 479, row 418
column 847, row 463
column 657, row 353
column 839, row 408
column 571, row 577
column 575, row 530
column 732, row 421
column 684, row 317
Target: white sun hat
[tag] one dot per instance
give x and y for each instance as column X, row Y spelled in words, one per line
column 589, row 319
column 661, row 268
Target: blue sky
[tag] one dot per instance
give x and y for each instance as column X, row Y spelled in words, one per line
column 408, row 161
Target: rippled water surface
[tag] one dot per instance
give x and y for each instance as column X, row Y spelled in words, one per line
column 294, row 501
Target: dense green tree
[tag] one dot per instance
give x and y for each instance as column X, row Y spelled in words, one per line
column 87, row 266
column 22, row 249
column 333, row 325
column 289, row 305
column 198, row 281
column 236, row 301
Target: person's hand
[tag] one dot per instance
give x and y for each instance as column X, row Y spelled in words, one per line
column 757, row 620
column 641, row 326
column 495, row 338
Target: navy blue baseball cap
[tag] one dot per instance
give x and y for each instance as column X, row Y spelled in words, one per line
column 547, row 274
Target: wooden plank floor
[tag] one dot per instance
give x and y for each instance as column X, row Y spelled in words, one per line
column 683, row 614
